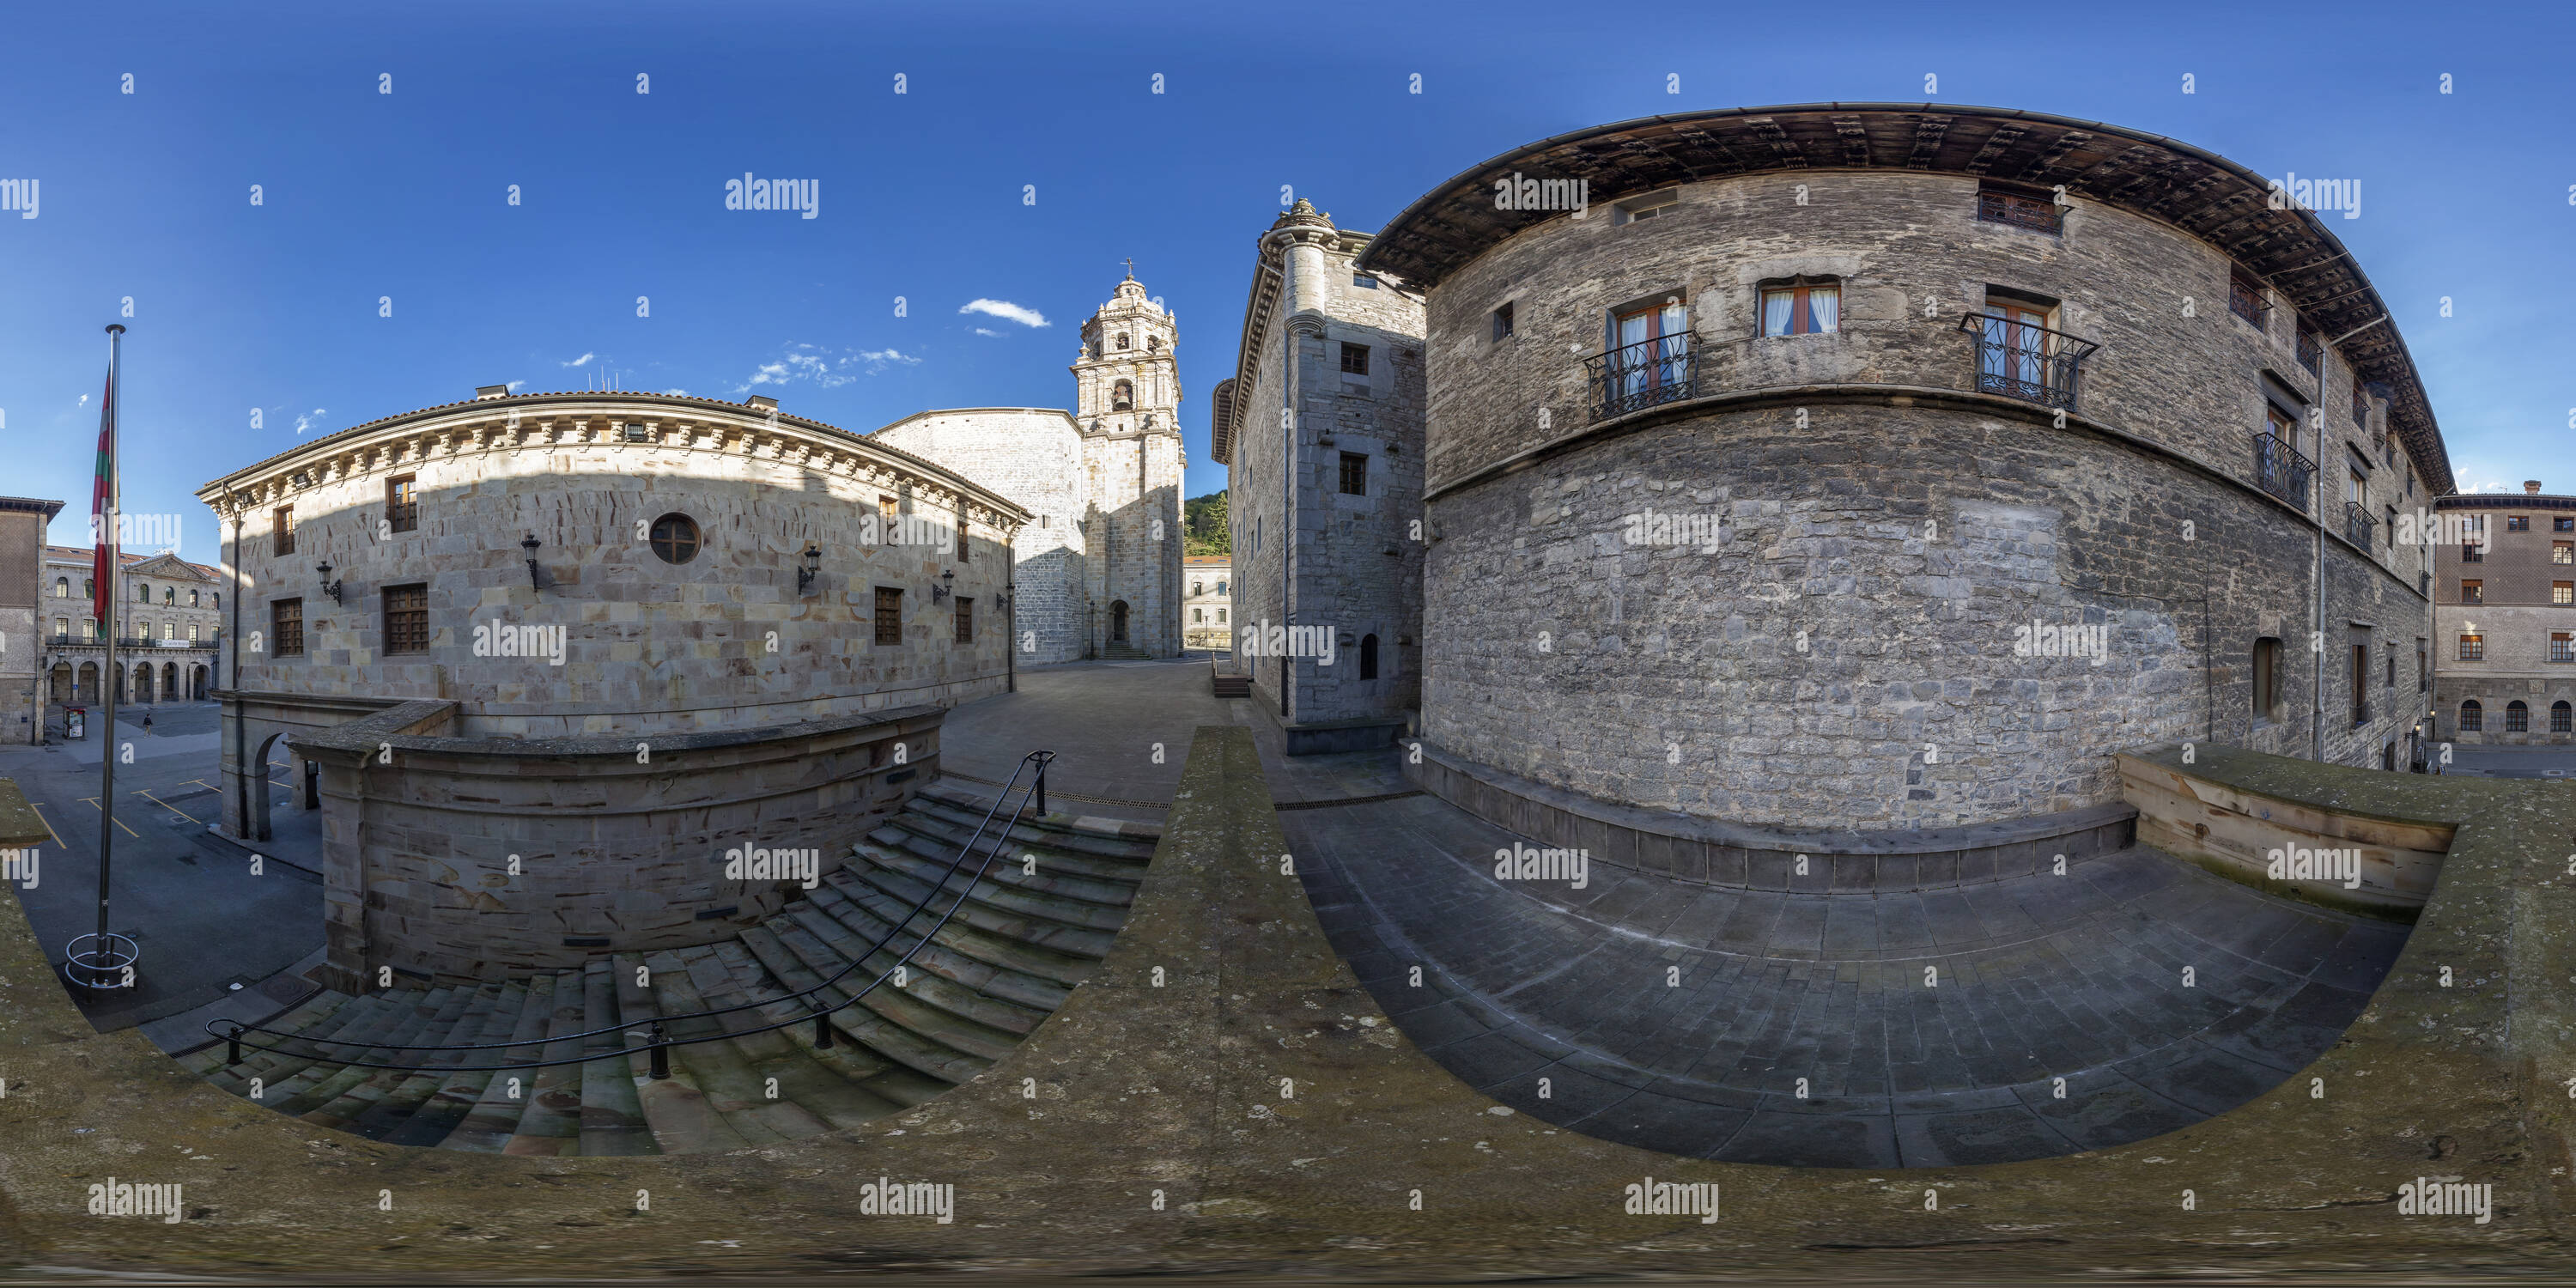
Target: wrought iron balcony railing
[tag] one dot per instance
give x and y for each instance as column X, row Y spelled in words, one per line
column 2358, row 526
column 1646, row 374
column 2280, row 470
column 2032, row 363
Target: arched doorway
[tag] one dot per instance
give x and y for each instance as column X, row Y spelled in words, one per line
column 197, row 680
column 85, row 688
column 1368, row 657
column 169, row 682
column 1118, row 622
column 62, row 683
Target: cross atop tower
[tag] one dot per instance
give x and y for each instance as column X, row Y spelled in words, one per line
column 1131, row 268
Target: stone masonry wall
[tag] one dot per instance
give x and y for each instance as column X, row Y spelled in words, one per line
column 1034, row 457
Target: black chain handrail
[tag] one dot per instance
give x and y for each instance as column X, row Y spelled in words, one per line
column 660, row 1041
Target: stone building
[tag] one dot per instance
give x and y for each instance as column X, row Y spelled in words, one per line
column 169, row 621
column 1206, row 603
column 1100, row 565
column 1321, row 433
column 22, row 605
column 2504, row 613
column 1892, row 466
column 542, row 659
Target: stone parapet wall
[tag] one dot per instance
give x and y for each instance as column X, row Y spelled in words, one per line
column 2241, row 833
column 476, row 858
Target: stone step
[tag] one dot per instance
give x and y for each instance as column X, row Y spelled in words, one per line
column 720, row 1068
column 320, row 1016
column 1039, row 993
column 551, row 1124
column 895, row 1084
column 896, row 1005
column 1004, row 875
column 406, row 1013
column 1233, row 686
column 1051, row 851
column 381, row 1102
column 893, row 897
column 461, row 1089
column 612, row 1119
column 920, row 881
column 1056, row 831
column 963, row 1001
column 487, row 1127
column 859, row 1024
column 682, row 1119
column 787, row 1070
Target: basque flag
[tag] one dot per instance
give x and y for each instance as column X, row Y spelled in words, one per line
column 102, row 503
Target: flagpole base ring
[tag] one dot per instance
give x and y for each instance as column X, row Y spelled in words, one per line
column 101, row 962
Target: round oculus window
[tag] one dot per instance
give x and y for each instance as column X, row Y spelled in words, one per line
column 675, row 538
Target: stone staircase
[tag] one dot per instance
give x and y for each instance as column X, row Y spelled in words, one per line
column 1230, row 685
column 1001, row 965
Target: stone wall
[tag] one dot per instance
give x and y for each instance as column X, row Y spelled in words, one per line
column 722, row 640
column 22, row 544
column 479, row 858
column 1034, row 457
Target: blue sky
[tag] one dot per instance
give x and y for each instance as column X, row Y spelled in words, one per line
column 404, row 195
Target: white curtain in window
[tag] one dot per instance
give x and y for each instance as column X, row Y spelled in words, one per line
column 1824, row 307
column 1776, row 306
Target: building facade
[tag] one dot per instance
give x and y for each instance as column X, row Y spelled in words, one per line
column 2505, row 619
column 543, row 659
column 1321, row 433
column 169, row 622
column 1100, row 563
column 22, row 612
column 1206, row 615
column 1890, row 467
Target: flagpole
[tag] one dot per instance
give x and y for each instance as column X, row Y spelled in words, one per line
column 109, row 959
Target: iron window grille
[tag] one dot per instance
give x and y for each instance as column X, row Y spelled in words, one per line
column 286, row 626
column 407, row 619
column 2358, row 526
column 2281, row 470
column 889, row 618
column 1646, row 374
column 965, row 621
column 2245, row 298
column 2311, row 352
column 1355, row 359
column 402, row 503
column 1354, row 474
column 2021, row 360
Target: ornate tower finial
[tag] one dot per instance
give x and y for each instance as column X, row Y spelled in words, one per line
column 1131, row 268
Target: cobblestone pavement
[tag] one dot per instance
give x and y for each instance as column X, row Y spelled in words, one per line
column 1910, row 1029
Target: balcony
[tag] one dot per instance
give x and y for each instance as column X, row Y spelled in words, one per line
column 2032, row 363
column 2280, row 470
column 1646, row 374
column 2358, row 526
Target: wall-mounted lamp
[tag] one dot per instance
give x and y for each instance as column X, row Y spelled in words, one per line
column 813, row 567
column 941, row 588
column 330, row 586
column 531, row 545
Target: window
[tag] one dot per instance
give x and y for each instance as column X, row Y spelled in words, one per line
column 192, row 599
column 2423, row 668
column 142, row 593
column 218, row 597
column 2562, row 552
column 1122, row 340
column 1153, row 344
column 2473, row 648
column 2391, row 681
column 889, row 616
column 281, row 530
column 675, row 538
column 1198, row 588
column 964, row 553
column 1803, row 307
column 62, row 587
column 2267, row 678
column 965, row 621
column 286, row 627
column 2021, row 210
column 1122, row 396
column 2517, row 523
column 2311, row 351
column 402, row 503
column 888, row 515
column 2245, row 297
column 2473, row 718
column 89, row 588
column 2356, row 488
column 62, row 628
column 1503, row 323
column 170, row 595
column 1355, row 359
column 2559, row 718
column 2562, row 524
column 2361, row 410
column 2562, row 646
column 1354, row 474
column 2473, row 552
column 2360, row 684
column 2392, row 527
column 1220, row 588
column 1364, row 281
column 2472, row 591
column 2562, row 592
column 1198, row 616
column 1368, row 657
column 1645, row 207
column 1220, row 617
column 2517, row 717
column 407, row 619
column 634, row 433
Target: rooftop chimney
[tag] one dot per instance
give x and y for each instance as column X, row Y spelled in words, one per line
column 484, row 393
column 763, row 402
column 2531, row 487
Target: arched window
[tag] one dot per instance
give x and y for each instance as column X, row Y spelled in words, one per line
column 1153, row 342
column 89, row 588
column 1220, row 588
column 1122, row 396
column 1198, row 588
column 1368, row 657
column 2472, row 717
column 2558, row 718
column 1198, row 615
column 1220, row 617
column 62, row 587
column 1122, row 339
column 170, row 595
column 63, row 631
column 2517, row 717
column 675, row 538
column 142, row 593
column 2267, row 678
column 1118, row 622
column 192, row 599
column 218, row 597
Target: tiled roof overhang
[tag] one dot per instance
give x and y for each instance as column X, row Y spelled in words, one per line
column 2206, row 195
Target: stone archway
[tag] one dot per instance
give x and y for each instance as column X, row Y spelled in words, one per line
column 197, row 683
column 169, row 682
column 61, row 683
column 1118, row 622
column 85, row 685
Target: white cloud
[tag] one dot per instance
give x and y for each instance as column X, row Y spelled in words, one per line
column 825, row 368
column 583, row 360
column 307, row 420
column 878, row 358
column 1006, row 311
column 988, row 331
column 513, row 386
column 680, row 392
